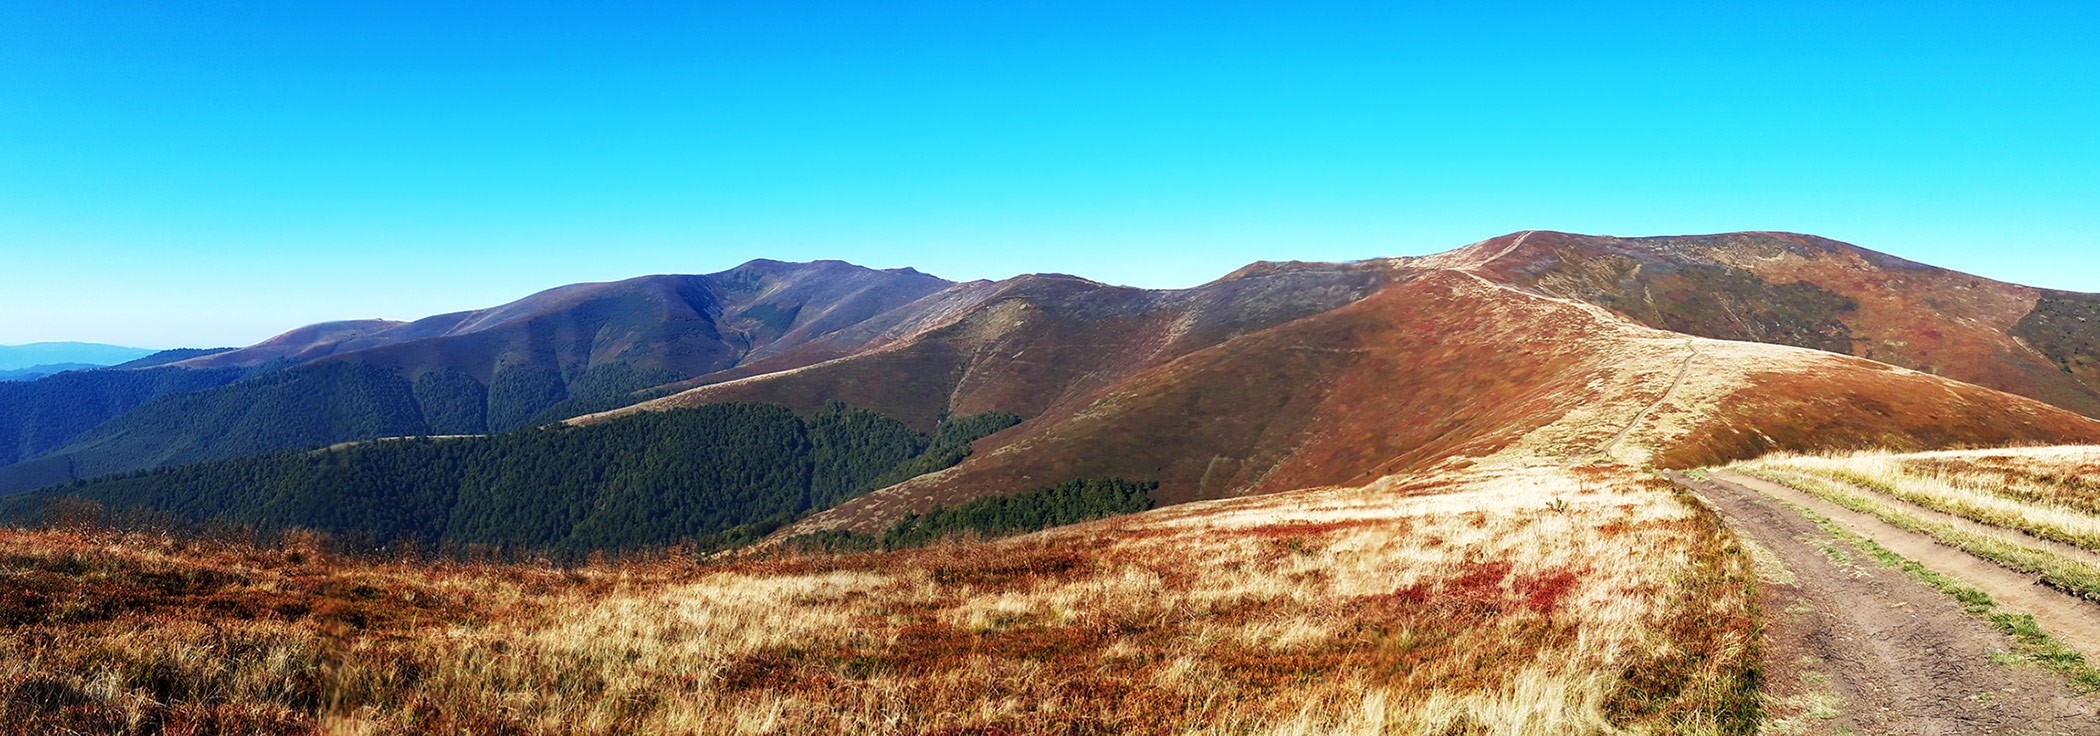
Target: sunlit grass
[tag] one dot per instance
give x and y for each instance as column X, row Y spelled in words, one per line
column 1485, row 607
column 2036, row 503
column 1873, row 483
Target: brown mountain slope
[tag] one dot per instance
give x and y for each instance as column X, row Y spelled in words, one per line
column 1445, row 368
column 1814, row 292
column 1287, row 376
column 1036, row 345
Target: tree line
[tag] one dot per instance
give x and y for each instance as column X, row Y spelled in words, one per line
column 1070, row 502
column 114, row 421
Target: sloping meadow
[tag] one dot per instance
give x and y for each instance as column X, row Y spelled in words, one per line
column 1522, row 600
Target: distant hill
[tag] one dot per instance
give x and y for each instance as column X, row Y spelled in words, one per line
column 42, row 415
column 561, row 352
column 15, row 357
column 689, row 324
column 39, row 371
column 300, row 345
column 165, row 357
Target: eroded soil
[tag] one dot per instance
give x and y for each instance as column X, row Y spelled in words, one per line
column 1854, row 647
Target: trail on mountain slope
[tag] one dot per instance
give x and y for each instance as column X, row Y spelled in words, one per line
column 1851, row 646
column 1684, row 370
column 1511, row 249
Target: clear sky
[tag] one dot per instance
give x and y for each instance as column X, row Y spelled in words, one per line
column 210, row 173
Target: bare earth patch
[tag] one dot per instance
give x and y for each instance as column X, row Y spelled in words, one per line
column 1852, row 646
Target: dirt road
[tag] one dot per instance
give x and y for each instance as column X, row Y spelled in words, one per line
column 1853, row 647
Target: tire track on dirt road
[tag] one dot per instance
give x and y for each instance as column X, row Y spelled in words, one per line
column 1851, row 646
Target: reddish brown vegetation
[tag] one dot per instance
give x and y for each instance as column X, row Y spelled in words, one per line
column 1856, row 404
column 1902, row 313
column 1440, row 366
column 1480, row 591
column 1299, row 613
column 1287, row 376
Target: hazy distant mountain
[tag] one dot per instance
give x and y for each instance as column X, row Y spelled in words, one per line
column 14, row 357
column 165, row 357
column 39, row 371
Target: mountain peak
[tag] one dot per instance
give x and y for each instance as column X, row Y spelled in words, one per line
column 1815, row 292
column 770, row 265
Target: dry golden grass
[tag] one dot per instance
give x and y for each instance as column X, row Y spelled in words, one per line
column 2020, row 508
column 1515, row 601
column 2049, row 493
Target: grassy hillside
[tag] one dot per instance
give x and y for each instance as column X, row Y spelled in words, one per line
column 1441, row 366
column 1536, row 601
column 1034, row 343
column 2049, row 498
column 1412, row 495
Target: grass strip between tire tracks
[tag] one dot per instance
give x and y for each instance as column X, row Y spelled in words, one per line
column 2068, row 576
column 2029, row 638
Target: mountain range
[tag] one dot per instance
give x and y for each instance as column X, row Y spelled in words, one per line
column 32, row 355
column 39, row 371
column 1538, row 345
column 36, row 360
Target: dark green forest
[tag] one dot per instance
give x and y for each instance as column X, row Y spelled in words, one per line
column 1070, row 502
column 118, row 421
column 165, row 357
column 644, row 480
column 42, row 415
column 307, row 406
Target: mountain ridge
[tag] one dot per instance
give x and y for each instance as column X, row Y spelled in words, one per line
column 1400, row 390
column 472, row 372
column 1808, row 291
column 1053, row 348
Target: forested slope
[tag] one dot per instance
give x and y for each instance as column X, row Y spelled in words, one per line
column 44, row 414
column 645, row 480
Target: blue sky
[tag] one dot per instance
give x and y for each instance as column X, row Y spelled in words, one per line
column 212, row 173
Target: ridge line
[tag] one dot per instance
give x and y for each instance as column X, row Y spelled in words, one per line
column 1506, row 251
